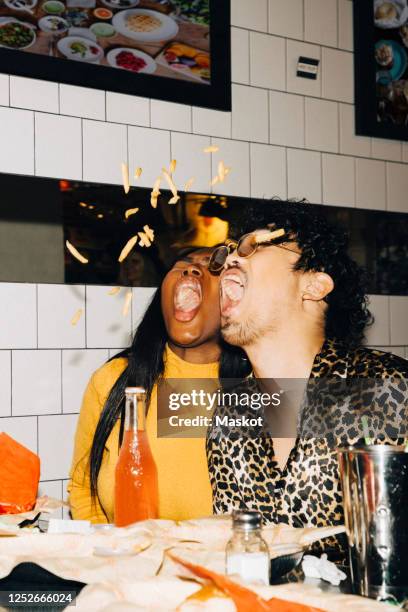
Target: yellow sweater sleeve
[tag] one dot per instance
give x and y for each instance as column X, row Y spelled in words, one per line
column 82, row 505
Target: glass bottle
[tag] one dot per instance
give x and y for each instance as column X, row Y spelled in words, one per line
column 136, row 489
column 247, row 553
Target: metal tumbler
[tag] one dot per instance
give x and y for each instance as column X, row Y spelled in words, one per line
column 375, row 497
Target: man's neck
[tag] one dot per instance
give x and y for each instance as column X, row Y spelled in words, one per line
column 288, row 354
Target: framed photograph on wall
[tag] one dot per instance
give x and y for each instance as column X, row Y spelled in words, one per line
column 175, row 50
column 381, row 68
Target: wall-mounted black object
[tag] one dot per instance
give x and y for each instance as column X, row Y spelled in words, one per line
column 173, row 50
column 37, row 216
column 381, row 68
column 307, row 68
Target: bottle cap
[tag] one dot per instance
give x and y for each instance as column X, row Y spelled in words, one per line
column 247, row 519
column 135, row 390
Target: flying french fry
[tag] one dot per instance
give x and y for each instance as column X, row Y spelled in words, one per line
column 127, row 248
column 173, row 166
column 144, row 240
column 76, row 317
column 174, row 199
column 114, row 291
column 189, row 183
column 170, row 182
column 125, row 177
column 212, row 149
column 76, row 253
column 130, row 211
column 127, row 303
column 138, row 173
column 149, row 232
column 215, row 180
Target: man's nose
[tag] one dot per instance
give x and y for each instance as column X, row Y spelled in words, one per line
column 192, row 270
column 233, row 259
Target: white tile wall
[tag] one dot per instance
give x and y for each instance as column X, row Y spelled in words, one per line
column 267, row 61
column 82, row 102
column 305, row 175
column 286, row 18
column 71, row 132
column 286, row 119
column 321, row 125
column 142, row 297
column 57, row 305
column 250, row 112
column 5, row 384
column 321, row 21
column 34, row 93
column 58, row 146
column 268, row 171
column 36, row 382
column 121, row 108
column 338, row 180
column 188, row 150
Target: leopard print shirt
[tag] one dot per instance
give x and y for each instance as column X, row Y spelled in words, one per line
column 307, row 491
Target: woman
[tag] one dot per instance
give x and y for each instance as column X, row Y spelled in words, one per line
column 179, row 337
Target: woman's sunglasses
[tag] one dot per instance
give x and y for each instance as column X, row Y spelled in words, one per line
column 245, row 247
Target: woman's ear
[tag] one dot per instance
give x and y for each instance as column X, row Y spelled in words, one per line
column 318, row 285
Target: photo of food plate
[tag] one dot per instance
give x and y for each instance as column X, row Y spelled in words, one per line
column 120, row 4
column 187, row 60
column 131, row 59
column 391, row 58
column 15, row 34
column 390, row 13
column 144, row 25
column 21, row 5
column 80, row 49
column 53, row 24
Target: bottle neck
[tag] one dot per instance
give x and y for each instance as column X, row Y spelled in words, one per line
column 246, row 533
column 135, row 412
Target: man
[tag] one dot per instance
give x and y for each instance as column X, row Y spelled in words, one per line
column 294, row 300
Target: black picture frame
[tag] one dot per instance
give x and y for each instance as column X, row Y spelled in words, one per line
column 216, row 95
column 366, row 34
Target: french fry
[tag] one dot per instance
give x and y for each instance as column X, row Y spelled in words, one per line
column 138, row 173
column 170, row 182
column 173, row 166
column 174, row 199
column 215, row 180
column 130, row 211
column 189, row 183
column 76, row 253
column 212, row 149
column 144, row 240
column 149, row 232
column 125, row 177
column 153, row 198
column 127, row 248
column 275, row 234
column 114, row 291
column 127, row 303
column 76, row 317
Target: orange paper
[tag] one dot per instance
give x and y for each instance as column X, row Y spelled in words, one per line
column 19, row 476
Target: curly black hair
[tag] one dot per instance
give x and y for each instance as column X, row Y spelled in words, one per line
column 324, row 249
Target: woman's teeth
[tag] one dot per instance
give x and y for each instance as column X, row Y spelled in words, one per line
column 187, row 296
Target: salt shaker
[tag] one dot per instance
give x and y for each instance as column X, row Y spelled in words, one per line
column 247, row 553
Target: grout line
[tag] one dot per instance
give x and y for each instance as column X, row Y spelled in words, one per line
column 38, row 435
column 11, row 383
column 61, row 383
column 287, row 173
column 37, row 313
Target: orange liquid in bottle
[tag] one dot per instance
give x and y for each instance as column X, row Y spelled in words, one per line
column 136, row 490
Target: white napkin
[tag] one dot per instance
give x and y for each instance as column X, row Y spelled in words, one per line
column 313, row 567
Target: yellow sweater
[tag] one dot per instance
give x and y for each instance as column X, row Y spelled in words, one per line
column 184, row 486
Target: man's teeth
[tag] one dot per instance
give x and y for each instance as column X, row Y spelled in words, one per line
column 233, row 287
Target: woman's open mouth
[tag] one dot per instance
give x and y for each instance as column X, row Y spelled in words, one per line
column 188, row 296
column 232, row 287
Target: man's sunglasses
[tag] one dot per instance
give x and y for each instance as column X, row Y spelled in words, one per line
column 245, row 247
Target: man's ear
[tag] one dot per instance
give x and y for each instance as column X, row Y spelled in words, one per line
column 318, row 285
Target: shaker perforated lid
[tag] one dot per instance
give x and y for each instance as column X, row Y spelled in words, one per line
column 247, row 519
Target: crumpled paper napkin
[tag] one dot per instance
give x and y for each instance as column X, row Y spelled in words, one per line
column 313, row 567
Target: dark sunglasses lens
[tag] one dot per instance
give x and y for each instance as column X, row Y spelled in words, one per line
column 246, row 246
column 218, row 259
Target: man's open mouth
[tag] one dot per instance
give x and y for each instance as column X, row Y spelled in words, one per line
column 188, row 296
column 233, row 284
